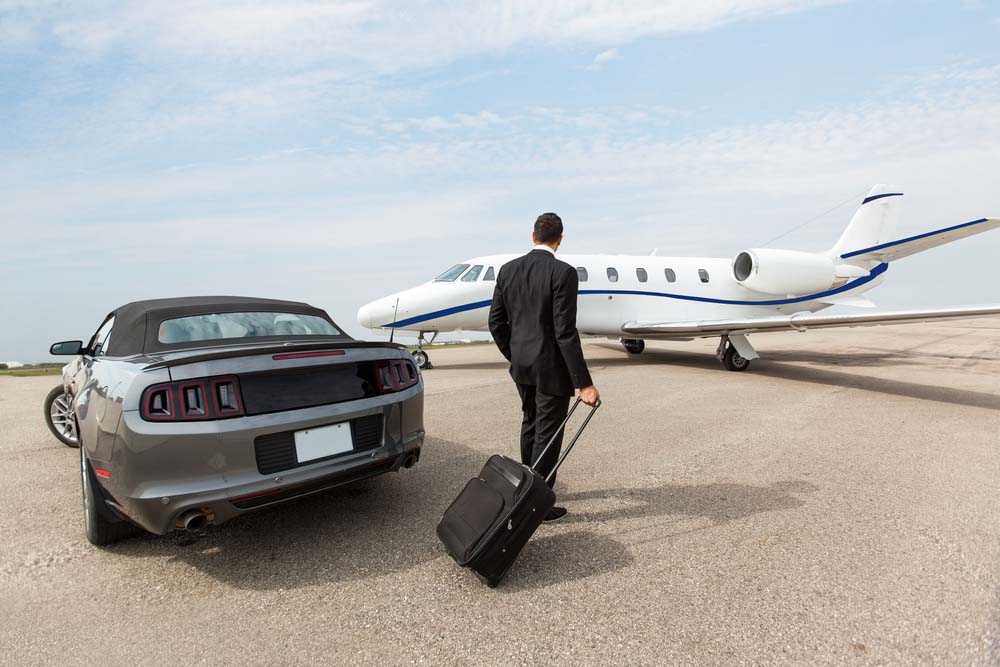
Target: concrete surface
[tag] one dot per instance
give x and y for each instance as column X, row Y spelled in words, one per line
column 835, row 505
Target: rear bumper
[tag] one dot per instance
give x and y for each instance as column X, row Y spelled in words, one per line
column 161, row 471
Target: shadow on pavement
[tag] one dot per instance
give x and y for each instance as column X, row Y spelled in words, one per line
column 387, row 525
column 719, row 503
column 780, row 364
column 548, row 560
column 369, row 529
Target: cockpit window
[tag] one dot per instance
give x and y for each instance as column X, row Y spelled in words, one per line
column 451, row 274
column 489, row 275
column 473, row 274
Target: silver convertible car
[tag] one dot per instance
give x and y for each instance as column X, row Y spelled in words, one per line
column 195, row 410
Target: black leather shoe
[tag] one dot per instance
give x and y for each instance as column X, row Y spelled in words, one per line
column 555, row 514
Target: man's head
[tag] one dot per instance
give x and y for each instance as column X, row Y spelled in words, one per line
column 548, row 230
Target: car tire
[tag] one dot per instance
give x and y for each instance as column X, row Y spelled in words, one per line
column 59, row 417
column 101, row 529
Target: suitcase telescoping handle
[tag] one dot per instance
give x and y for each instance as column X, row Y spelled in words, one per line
column 572, row 442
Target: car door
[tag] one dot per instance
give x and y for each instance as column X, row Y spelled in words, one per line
column 90, row 392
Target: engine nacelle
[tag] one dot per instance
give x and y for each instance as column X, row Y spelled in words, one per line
column 788, row 272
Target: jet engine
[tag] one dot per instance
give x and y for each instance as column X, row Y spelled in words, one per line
column 790, row 272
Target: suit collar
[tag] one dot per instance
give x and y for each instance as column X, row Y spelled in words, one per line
column 544, row 249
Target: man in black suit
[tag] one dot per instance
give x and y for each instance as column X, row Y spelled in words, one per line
column 533, row 321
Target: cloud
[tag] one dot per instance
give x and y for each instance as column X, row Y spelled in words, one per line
column 377, row 35
column 603, row 58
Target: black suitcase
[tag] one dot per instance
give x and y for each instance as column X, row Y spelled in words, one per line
column 497, row 512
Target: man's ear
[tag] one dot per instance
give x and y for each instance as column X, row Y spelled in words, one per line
column 533, row 240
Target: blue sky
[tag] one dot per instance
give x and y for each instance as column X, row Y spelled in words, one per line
column 334, row 152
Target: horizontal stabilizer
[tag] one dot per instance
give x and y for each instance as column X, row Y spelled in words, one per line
column 887, row 252
column 800, row 322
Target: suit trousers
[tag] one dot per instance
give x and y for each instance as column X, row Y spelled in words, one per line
column 543, row 415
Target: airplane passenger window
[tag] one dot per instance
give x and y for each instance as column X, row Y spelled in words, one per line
column 671, row 276
column 641, row 275
column 581, row 273
column 451, row 274
column 489, row 275
column 473, row 274
column 703, row 274
column 612, row 274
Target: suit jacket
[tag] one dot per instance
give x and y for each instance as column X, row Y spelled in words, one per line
column 533, row 321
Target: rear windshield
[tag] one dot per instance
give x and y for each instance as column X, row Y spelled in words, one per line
column 218, row 326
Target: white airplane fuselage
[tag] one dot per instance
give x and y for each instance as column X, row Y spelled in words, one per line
column 635, row 297
column 702, row 288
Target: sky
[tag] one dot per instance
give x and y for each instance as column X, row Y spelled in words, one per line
column 335, row 152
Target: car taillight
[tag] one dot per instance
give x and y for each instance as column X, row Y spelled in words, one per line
column 193, row 400
column 396, row 375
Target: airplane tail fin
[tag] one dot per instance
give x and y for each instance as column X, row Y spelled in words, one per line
column 873, row 224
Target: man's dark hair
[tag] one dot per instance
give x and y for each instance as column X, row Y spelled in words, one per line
column 548, row 228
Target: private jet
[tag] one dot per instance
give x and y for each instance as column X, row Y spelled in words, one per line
column 638, row 298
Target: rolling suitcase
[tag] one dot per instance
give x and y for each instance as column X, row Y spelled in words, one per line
column 496, row 513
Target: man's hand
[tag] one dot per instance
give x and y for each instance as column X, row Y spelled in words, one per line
column 590, row 395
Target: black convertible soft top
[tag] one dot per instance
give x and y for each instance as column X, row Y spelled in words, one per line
column 137, row 323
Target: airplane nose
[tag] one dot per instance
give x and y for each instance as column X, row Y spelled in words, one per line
column 377, row 314
column 366, row 315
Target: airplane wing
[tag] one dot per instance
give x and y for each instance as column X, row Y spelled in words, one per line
column 887, row 252
column 800, row 322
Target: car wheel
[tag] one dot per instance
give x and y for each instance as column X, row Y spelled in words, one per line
column 100, row 529
column 59, row 417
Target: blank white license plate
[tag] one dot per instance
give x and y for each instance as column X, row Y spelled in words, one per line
column 318, row 443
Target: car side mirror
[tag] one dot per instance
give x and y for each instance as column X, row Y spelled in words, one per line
column 66, row 348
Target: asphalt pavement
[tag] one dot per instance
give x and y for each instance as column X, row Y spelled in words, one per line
column 836, row 504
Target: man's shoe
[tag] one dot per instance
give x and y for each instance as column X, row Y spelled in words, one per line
column 555, row 514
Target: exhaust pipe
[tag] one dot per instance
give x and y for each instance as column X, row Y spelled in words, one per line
column 411, row 459
column 193, row 520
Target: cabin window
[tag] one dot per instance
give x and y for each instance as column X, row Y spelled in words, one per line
column 452, row 274
column 581, row 274
column 473, row 274
column 703, row 275
column 612, row 274
column 671, row 276
column 489, row 275
column 641, row 275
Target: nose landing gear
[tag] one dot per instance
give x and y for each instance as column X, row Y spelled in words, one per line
column 420, row 357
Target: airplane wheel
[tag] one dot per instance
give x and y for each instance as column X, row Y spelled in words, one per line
column 634, row 346
column 421, row 359
column 733, row 361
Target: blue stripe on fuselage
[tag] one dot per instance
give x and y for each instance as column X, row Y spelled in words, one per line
column 875, row 273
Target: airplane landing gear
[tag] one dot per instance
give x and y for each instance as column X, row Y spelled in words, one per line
column 735, row 352
column 634, row 345
column 420, row 357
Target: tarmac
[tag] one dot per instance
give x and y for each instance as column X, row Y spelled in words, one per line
column 836, row 504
